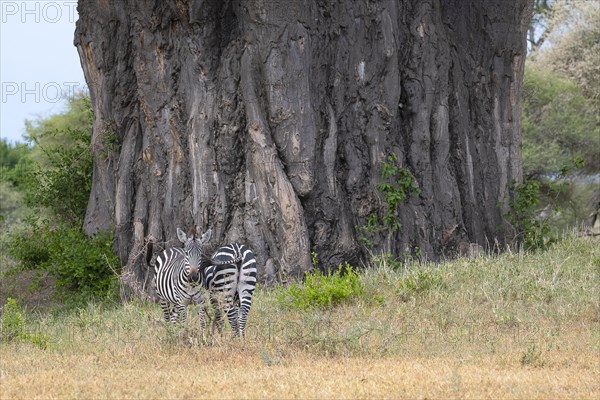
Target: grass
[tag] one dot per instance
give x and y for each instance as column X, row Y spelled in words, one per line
column 511, row 326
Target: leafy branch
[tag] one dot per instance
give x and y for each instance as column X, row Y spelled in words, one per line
column 397, row 184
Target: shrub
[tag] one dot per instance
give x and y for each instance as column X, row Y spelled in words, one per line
column 57, row 187
column 63, row 182
column 80, row 264
column 13, row 162
column 559, row 124
column 533, row 232
column 12, row 327
column 320, row 290
column 13, row 321
column 29, row 247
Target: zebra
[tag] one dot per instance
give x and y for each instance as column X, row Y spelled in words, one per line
column 178, row 277
column 230, row 279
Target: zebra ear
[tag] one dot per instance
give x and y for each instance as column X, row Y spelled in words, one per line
column 205, row 238
column 181, row 235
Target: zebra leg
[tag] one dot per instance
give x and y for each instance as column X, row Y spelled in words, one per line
column 231, row 306
column 232, row 315
column 182, row 313
column 202, row 315
column 200, row 302
column 166, row 307
column 245, row 304
column 178, row 313
column 246, row 285
column 218, row 321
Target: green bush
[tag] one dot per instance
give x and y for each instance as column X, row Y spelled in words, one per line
column 13, row 321
column 559, row 124
column 56, row 188
column 63, row 182
column 13, row 328
column 13, row 162
column 533, row 232
column 80, row 264
column 29, row 247
column 321, row 290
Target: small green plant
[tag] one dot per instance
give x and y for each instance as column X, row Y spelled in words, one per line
column 368, row 243
column 532, row 356
column 417, row 251
column 532, row 232
column 39, row 339
column 419, row 282
column 314, row 258
column 13, row 321
column 111, row 144
column 398, row 184
column 372, row 226
column 320, row 290
column 269, row 359
column 13, row 326
column 389, row 260
column 111, row 141
column 372, row 223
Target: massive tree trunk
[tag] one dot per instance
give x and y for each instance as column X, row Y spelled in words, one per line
column 270, row 121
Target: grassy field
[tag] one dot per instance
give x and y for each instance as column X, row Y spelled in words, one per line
column 510, row 326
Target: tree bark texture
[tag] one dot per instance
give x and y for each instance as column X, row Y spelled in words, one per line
column 270, row 120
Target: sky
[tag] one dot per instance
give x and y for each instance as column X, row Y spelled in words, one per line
column 39, row 66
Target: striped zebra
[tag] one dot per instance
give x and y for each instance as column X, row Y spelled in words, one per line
column 229, row 276
column 178, row 277
column 230, row 280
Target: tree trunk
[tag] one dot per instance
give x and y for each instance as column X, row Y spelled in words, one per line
column 271, row 121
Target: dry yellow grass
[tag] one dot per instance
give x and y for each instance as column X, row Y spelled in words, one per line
column 238, row 371
column 509, row 327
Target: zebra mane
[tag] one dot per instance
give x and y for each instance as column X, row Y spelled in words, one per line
column 205, row 262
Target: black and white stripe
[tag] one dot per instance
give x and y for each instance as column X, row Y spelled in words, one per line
column 178, row 277
column 230, row 280
column 229, row 276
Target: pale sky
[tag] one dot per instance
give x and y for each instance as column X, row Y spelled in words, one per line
column 38, row 63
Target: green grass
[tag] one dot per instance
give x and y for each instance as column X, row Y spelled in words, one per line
column 322, row 290
column 382, row 311
column 531, row 319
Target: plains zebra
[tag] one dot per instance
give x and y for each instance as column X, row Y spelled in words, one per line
column 230, row 280
column 178, row 277
column 229, row 276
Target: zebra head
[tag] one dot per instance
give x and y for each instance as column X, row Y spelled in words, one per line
column 193, row 246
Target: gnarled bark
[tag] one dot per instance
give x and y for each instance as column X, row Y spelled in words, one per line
column 269, row 122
